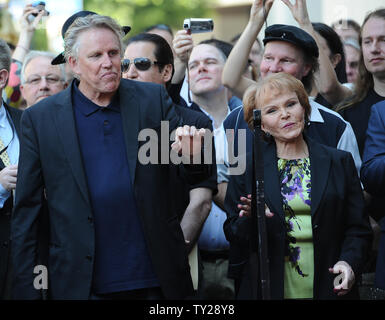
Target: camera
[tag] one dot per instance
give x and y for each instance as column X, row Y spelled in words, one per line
column 197, row 25
column 39, row 5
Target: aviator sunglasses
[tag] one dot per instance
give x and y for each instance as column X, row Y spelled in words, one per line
column 141, row 64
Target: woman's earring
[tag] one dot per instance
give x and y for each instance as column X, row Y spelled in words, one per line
column 267, row 134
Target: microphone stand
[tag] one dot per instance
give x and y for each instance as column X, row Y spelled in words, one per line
column 258, row 239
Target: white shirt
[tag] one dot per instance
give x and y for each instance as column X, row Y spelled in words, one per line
column 212, row 236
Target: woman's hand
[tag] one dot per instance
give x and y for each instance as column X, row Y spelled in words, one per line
column 245, row 208
column 299, row 11
column 343, row 283
column 257, row 12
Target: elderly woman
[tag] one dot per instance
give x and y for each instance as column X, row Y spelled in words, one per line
column 317, row 231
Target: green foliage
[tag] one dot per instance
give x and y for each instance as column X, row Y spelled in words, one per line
column 140, row 14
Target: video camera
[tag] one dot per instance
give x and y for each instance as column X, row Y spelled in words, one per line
column 197, row 25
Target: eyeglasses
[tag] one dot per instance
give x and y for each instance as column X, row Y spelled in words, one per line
column 141, row 64
column 50, row 79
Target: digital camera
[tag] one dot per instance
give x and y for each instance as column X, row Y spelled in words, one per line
column 197, row 25
column 39, row 5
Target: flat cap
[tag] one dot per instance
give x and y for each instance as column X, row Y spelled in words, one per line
column 294, row 35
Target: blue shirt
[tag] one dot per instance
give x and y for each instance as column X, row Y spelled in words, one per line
column 9, row 136
column 122, row 261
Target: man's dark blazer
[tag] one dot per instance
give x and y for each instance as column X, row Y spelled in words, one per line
column 50, row 159
column 5, row 221
column 341, row 230
column 373, row 178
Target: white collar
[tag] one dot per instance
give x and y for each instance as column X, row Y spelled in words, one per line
column 315, row 115
column 210, row 117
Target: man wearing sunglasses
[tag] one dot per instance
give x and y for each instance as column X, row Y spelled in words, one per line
column 145, row 68
column 149, row 58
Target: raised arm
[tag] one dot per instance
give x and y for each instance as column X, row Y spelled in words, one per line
column 27, row 30
column 326, row 79
column 183, row 44
column 236, row 62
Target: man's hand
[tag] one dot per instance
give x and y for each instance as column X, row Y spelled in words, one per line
column 8, row 177
column 343, row 283
column 183, row 44
column 188, row 142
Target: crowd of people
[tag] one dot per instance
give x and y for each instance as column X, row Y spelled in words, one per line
column 107, row 220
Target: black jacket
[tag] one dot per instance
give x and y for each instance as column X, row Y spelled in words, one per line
column 50, row 159
column 341, row 230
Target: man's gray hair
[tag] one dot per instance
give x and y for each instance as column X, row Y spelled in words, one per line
column 5, row 56
column 81, row 24
column 34, row 54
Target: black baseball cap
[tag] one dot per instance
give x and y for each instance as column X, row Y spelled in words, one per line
column 294, row 35
column 60, row 58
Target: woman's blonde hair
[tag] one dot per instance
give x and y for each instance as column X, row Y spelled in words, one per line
column 281, row 82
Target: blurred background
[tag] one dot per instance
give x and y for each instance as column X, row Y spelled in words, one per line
column 230, row 16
